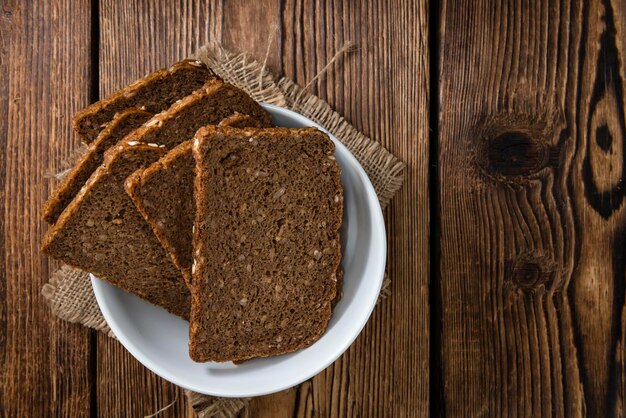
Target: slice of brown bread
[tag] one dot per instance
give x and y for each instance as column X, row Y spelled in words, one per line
column 100, row 232
column 122, row 124
column 163, row 194
column 266, row 241
column 155, row 92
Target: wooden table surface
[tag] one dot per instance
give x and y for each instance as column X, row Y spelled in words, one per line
column 506, row 242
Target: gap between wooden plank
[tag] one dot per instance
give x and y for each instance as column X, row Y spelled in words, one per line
column 435, row 383
column 94, row 96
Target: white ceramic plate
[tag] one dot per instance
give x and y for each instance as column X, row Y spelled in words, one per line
column 159, row 340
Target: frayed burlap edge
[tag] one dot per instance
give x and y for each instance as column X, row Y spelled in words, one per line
column 208, row 407
column 70, row 297
column 69, row 291
column 240, row 70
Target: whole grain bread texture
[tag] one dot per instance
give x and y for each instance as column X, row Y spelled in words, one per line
column 269, row 205
column 122, row 124
column 100, row 232
column 124, row 235
column 154, row 93
column 163, row 194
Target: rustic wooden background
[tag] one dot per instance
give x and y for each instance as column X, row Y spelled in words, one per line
column 506, row 242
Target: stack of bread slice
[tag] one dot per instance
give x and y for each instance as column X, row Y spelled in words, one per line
column 189, row 198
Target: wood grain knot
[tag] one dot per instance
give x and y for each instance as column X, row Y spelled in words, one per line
column 530, row 274
column 511, row 147
column 515, row 154
column 7, row 13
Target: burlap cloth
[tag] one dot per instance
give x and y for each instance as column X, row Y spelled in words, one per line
column 69, row 291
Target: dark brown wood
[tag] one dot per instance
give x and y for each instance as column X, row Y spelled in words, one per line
column 44, row 78
column 531, row 153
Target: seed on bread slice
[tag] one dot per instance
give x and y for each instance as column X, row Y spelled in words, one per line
column 266, row 245
column 163, row 194
column 155, row 92
column 239, row 120
column 122, row 124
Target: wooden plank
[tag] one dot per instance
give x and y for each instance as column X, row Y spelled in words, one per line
column 387, row 368
column 44, row 79
column 531, row 154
